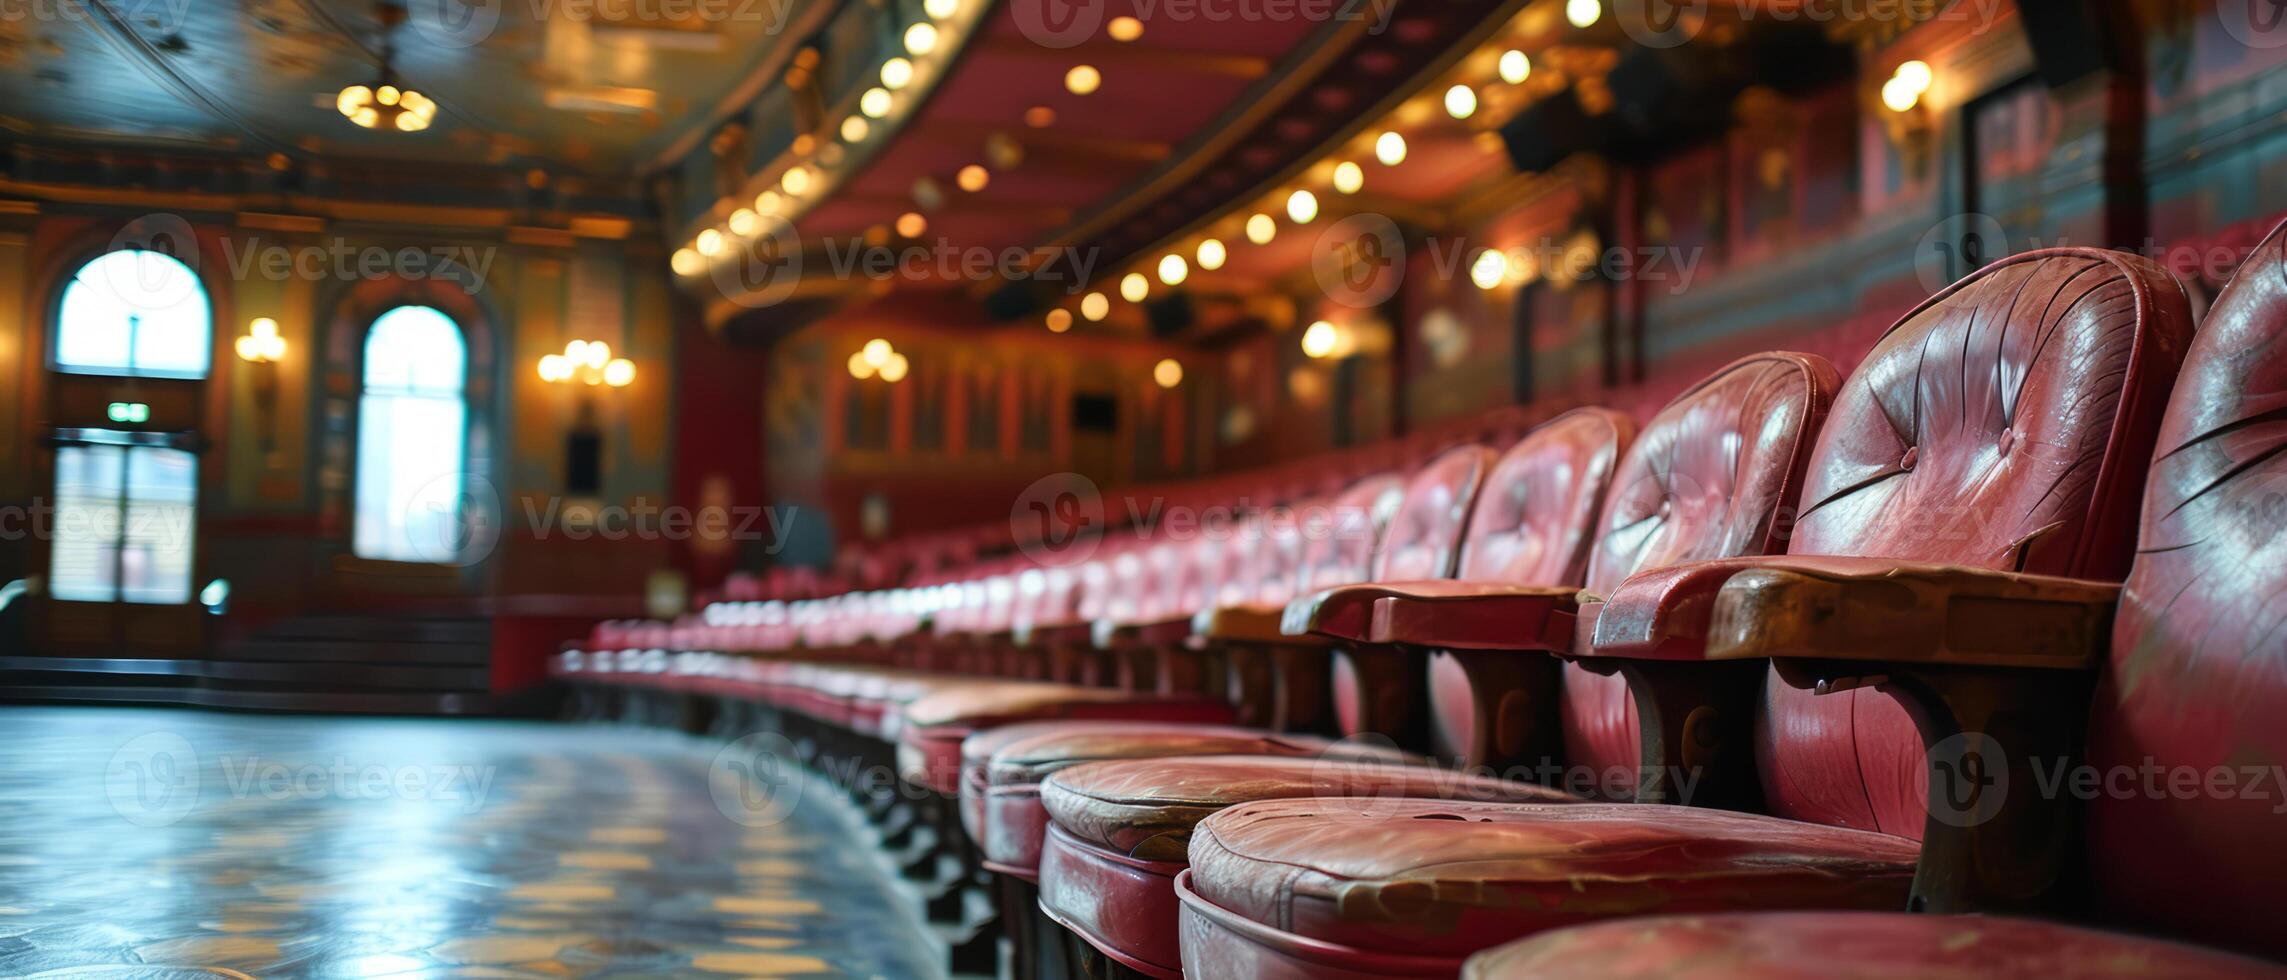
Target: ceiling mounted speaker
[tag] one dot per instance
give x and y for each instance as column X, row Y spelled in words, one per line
column 1544, row 133
column 1170, row 313
column 2068, row 43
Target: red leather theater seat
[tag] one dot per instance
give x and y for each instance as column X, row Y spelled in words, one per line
column 2004, row 424
column 1851, row 946
column 1120, row 830
column 1425, row 883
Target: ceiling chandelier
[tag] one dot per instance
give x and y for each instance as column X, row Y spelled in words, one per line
column 386, row 104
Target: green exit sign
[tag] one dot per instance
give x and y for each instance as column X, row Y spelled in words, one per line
column 135, row 412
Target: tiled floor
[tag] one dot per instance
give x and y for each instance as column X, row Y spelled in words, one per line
column 181, row 843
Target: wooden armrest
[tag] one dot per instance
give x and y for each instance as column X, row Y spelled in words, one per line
column 1247, row 624
column 1341, row 613
column 1476, row 616
column 1901, row 612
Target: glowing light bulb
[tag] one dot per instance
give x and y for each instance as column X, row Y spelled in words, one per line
column 1261, row 229
column 795, row 181
column 1059, row 320
column 1515, row 66
column 1583, row 13
column 1173, row 270
column 1301, row 207
column 1095, row 307
column 972, row 178
column 1211, row 254
column 1489, row 269
column 743, row 222
column 1349, row 177
column 940, row 9
column 687, row 262
column 855, row 129
column 1320, row 338
column 875, row 102
column 920, row 39
column 709, row 243
column 1124, row 29
column 1134, row 287
column 1082, row 79
column 877, row 352
column 895, row 73
column 1460, row 101
column 1167, row 373
column 1390, row 148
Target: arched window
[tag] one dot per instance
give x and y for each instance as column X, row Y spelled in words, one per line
column 135, row 312
column 412, row 427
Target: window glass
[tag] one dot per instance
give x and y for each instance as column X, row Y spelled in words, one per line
column 411, row 439
column 135, row 312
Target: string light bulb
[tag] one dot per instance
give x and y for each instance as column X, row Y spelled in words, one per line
column 1301, row 207
column 1211, row 254
column 1390, row 148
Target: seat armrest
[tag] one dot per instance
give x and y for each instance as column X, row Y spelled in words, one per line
column 1341, row 613
column 1476, row 616
column 1247, row 624
column 1908, row 613
column 1663, row 613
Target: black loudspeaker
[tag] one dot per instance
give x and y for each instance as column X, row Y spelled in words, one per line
column 1551, row 129
column 1169, row 314
column 2067, row 41
column 1015, row 300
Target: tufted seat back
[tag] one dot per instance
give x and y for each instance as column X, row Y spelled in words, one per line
column 1339, row 543
column 2005, row 423
column 1534, row 517
column 1715, row 474
column 2198, row 676
column 1424, row 536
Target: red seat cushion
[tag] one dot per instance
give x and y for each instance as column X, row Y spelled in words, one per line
column 1847, row 945
column 1015, row 822
column 933, row 727
column 1120, row 831
column 1427, row 878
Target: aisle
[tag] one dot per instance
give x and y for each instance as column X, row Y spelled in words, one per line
column 224, row 844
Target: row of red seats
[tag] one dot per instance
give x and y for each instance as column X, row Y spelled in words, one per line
column 1857, row 626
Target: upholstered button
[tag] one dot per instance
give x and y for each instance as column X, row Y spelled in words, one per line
column 1913, row 453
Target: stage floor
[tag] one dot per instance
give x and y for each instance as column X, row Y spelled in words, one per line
column 220, row 845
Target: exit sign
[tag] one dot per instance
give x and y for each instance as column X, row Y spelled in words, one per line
column 134, row 412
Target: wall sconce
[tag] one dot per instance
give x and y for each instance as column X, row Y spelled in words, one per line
column 1908, row 121
column 263, row 348
column 590, row 363
column 878, row 358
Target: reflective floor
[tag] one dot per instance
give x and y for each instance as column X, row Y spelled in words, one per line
column 158, row 843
